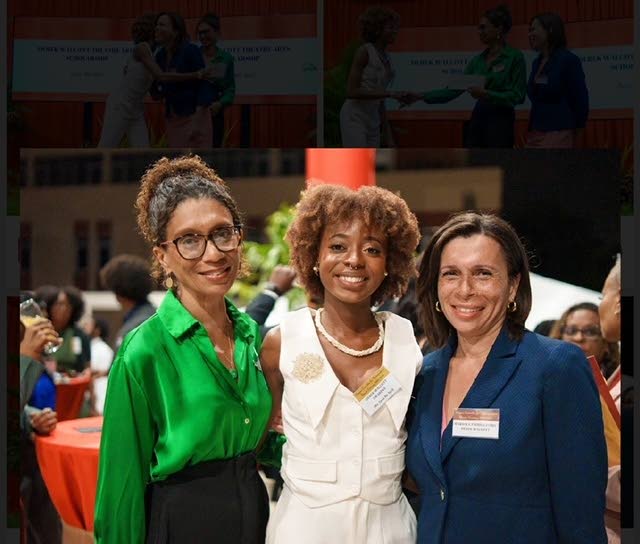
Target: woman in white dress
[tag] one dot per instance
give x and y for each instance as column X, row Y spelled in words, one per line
column 341, row 376
column 363, row 121
column 101, row 359
column 124, row 113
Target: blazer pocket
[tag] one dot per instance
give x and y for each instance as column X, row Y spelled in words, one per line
column 391, row 465
column 317, row 471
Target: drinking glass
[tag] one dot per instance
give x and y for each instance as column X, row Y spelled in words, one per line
column 30, row 314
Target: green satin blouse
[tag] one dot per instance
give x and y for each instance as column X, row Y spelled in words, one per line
column 505, row 83
column 172, row 403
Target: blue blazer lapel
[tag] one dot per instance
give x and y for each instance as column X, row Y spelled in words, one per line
column 494, row 375
column 431, row 424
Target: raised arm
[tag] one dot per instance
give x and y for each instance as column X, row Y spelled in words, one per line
column 142, row 53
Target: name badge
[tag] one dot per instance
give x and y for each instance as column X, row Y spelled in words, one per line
column 498, row 68
column 377, row 390
column 76, row 345
column 476, row 423
column 542, row 80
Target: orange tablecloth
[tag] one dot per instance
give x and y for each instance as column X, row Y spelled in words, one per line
column 70, row 396
column 69, row 463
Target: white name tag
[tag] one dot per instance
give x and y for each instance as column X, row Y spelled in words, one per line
column 377, row 390
column 476, row 423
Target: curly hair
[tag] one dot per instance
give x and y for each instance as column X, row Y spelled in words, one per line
column 467, row 224
column 611, row 357
column 322, row 204
column 128, row 276
column 169, row 182
column 373, row 20
column 47, row 295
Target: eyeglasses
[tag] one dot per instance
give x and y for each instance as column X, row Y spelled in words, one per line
column 193, row 246
column 587, row 332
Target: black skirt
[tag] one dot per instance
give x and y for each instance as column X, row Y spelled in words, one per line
column 491, row 125
column 216, row 501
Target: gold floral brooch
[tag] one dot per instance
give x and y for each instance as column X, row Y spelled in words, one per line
column 308, row 367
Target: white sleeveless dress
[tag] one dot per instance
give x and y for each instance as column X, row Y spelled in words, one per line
column 124, row 113
column 360, row 119
column 342, row 467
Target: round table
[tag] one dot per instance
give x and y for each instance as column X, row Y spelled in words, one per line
column 70, row 396
column 68, row 460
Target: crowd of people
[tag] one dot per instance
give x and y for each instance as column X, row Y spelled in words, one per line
column 452, row 424
column 195, row 82
column 496, row 80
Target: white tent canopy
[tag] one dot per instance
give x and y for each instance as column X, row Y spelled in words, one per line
column 552, row 297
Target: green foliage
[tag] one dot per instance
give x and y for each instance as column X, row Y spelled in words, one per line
column 262, row 258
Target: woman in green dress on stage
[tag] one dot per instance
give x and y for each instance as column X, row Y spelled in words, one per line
column 503, row 70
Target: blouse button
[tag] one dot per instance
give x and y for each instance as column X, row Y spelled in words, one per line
column 442, row 494
column 247, row 420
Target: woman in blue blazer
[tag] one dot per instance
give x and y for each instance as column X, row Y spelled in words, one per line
column 507, row 442
column 556, row 87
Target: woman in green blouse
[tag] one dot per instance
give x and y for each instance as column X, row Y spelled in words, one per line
column 187, row 403
column 219, row 88
column 504, row 71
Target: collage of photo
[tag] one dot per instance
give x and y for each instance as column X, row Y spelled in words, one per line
column 324, row 271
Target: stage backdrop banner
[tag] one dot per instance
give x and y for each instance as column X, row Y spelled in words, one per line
column 277, row 57
column 608, row 71
column 285, row 66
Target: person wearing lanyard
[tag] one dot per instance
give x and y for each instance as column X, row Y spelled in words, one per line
column 219, row 88
column 507, row 441
column 504, row 70
column 187, row 403
column 557, row 87
column 342, row 375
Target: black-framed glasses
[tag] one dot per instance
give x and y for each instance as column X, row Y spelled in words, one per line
column 587, row 332
column 193, row 246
